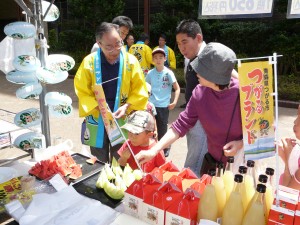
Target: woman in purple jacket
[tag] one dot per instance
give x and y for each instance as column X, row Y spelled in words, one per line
column 215, row 103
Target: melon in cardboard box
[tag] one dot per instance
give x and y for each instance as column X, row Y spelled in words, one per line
column 134, row 195
column 155, row 205
column 185, row 210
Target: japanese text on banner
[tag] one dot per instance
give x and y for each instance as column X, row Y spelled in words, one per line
column 113, row 132
column 256, row 82
column 235, row 7
column 295, row 7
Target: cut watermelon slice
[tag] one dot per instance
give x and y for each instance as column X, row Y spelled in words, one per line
column 62, row 163
column 76, row 172
column 64, row 170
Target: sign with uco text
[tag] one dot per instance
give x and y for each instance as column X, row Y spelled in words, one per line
column 235, row 8
column 293, row 10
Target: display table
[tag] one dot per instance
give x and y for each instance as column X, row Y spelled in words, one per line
column 120, row 218
column 22, row 169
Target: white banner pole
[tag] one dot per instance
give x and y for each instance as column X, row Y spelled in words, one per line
column 276, row 125
column 130, row 149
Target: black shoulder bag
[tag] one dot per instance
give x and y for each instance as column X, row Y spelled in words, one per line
column 209, row 162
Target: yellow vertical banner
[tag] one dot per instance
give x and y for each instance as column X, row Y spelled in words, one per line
column 113, row 132
column 257, row 109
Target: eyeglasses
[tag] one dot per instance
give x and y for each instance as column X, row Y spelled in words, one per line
column 111, row 48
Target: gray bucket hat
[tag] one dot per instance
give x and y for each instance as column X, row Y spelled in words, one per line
column 215, row 63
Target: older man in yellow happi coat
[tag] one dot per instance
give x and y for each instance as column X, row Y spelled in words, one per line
column 123, row 83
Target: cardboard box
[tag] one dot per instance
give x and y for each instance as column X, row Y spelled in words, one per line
column 205, row 179
column 188, row 178
column 184, row 211
column 134, row 195
column 297, row 217
column 177, row 180
column 187, row 173
column 272, row 222
column 289, row 190
column 169, row 169
column 281, row 215
column 199, row 187
column 133, row 199
column 187, row 183
column 167, row 175
column 288, row 200
column 150, row 185
column 169, row 166
column 158, row 173
column 155, row 205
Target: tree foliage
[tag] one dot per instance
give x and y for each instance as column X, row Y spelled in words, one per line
column 172, row 12
column 76, row 35
column 93, row 12
column 247, row 37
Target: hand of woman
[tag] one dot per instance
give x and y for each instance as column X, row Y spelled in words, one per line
column 166, row 140
column 145, row 155
column 231, row 148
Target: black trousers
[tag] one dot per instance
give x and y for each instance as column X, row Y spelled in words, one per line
column 107, row 152
column 162, row 118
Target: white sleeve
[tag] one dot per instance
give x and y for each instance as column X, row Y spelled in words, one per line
column 186, row 62
column 94, row 48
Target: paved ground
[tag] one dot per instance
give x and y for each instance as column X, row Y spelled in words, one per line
column 69, row 128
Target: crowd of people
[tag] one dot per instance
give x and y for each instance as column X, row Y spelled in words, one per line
column 137, row 83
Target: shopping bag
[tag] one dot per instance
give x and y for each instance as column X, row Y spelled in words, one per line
column 89, row 132
column 83, row 128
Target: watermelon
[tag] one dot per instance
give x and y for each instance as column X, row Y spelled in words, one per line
column 62, row 163
column 65, row 155
column 64, row 170
column 76, row 172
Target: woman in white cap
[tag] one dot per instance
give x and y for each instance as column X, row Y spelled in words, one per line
column 215, row 103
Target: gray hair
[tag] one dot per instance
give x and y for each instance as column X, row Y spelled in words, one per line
column 105, row 28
